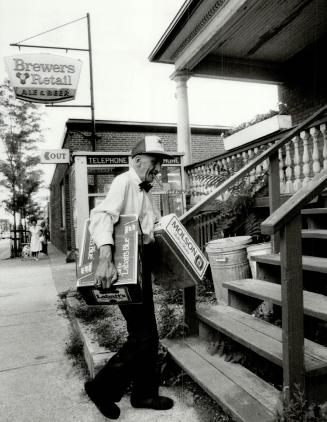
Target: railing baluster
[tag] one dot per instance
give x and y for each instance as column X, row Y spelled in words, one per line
column 323, row 129
column 288, row 171
column 252, row 172
column 297, row 169
column 305, row 158
column 228, row 164
column 258, row 169
column 281, row 171
column 315, row 151
column 224, row 165
column 233, row 158
column 245, row 158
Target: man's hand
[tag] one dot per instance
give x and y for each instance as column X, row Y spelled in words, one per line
column 106, row 273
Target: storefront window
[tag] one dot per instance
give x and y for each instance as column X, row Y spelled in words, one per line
column 167, row 193
column 99, row 181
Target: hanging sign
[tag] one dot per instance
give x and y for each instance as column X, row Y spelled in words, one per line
column 55, row 156
column 43, row 78
column 123, row 160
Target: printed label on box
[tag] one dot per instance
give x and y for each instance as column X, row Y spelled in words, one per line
column 118, row 295
column 184, row 242
column 125, row 253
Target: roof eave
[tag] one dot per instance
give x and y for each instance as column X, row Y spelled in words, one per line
column 181, row 17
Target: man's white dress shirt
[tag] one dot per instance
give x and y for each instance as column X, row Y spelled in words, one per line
column 124, row 197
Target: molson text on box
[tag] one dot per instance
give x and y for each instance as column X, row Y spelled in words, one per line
column 179, row 262
column 128, row 288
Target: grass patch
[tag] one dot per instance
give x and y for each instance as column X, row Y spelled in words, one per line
column 108, row 335
column 74, row 351
column 90, row 314
column 300, row 410
column 62, row 306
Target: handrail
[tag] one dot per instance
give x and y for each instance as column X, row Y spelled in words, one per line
column 248, row 167
column 294, row 204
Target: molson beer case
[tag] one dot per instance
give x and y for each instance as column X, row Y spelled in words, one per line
column 179, row 262
column 128, row 288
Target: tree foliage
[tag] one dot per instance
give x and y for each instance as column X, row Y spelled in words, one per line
column 20, row 132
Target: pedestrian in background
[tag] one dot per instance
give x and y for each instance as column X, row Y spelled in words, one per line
column 44, row 238
column 35, row 243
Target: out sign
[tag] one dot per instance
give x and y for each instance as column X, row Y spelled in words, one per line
column 55, row 156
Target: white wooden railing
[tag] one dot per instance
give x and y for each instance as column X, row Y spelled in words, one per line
column 303, row 157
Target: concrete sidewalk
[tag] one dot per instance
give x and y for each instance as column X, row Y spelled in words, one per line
column 37, row 381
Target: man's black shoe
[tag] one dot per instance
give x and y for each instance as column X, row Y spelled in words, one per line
column 157, row 403
column 107, row 408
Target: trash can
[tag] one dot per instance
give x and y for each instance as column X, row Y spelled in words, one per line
column 256, row 250
column 228, row 261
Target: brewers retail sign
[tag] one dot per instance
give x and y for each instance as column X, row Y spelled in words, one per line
column 43, row 78
column 55, row 156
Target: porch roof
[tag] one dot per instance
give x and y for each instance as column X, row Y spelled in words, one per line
column 240, row 39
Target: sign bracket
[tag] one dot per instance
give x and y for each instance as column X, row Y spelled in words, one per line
column 47, row 46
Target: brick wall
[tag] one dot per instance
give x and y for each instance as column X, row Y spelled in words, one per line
column 305, row 89
column 59, row 234
column 203, row 145
column 206, row 146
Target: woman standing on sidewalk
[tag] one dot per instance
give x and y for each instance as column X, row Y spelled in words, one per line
column 35, row 244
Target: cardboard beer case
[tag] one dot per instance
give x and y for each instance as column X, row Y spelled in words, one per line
column 128, row 288
column 179, row 262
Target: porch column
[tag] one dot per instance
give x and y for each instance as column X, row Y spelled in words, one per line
column 183, row 122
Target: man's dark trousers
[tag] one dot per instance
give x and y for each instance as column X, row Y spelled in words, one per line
column 137, row 360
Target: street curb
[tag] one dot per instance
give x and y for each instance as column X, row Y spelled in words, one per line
column 95, row 356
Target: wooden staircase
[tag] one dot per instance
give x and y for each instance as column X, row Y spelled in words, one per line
column 282, row 275
column 257, row 399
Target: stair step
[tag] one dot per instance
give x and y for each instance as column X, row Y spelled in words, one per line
column 311, row 211
column 309, row 263
column 261, row 337
column 314, row 233
column 237, row 390
column 315, row 304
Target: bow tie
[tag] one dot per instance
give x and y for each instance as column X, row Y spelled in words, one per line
column 145, row 186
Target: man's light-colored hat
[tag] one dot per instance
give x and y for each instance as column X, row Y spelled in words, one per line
column 150, row 145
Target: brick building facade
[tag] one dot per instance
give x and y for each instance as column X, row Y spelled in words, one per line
column 115, row 136
column 305, row 87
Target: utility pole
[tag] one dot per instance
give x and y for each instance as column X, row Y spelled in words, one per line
column 93, row 135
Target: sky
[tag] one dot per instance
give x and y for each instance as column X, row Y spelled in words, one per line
column 126, row 85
